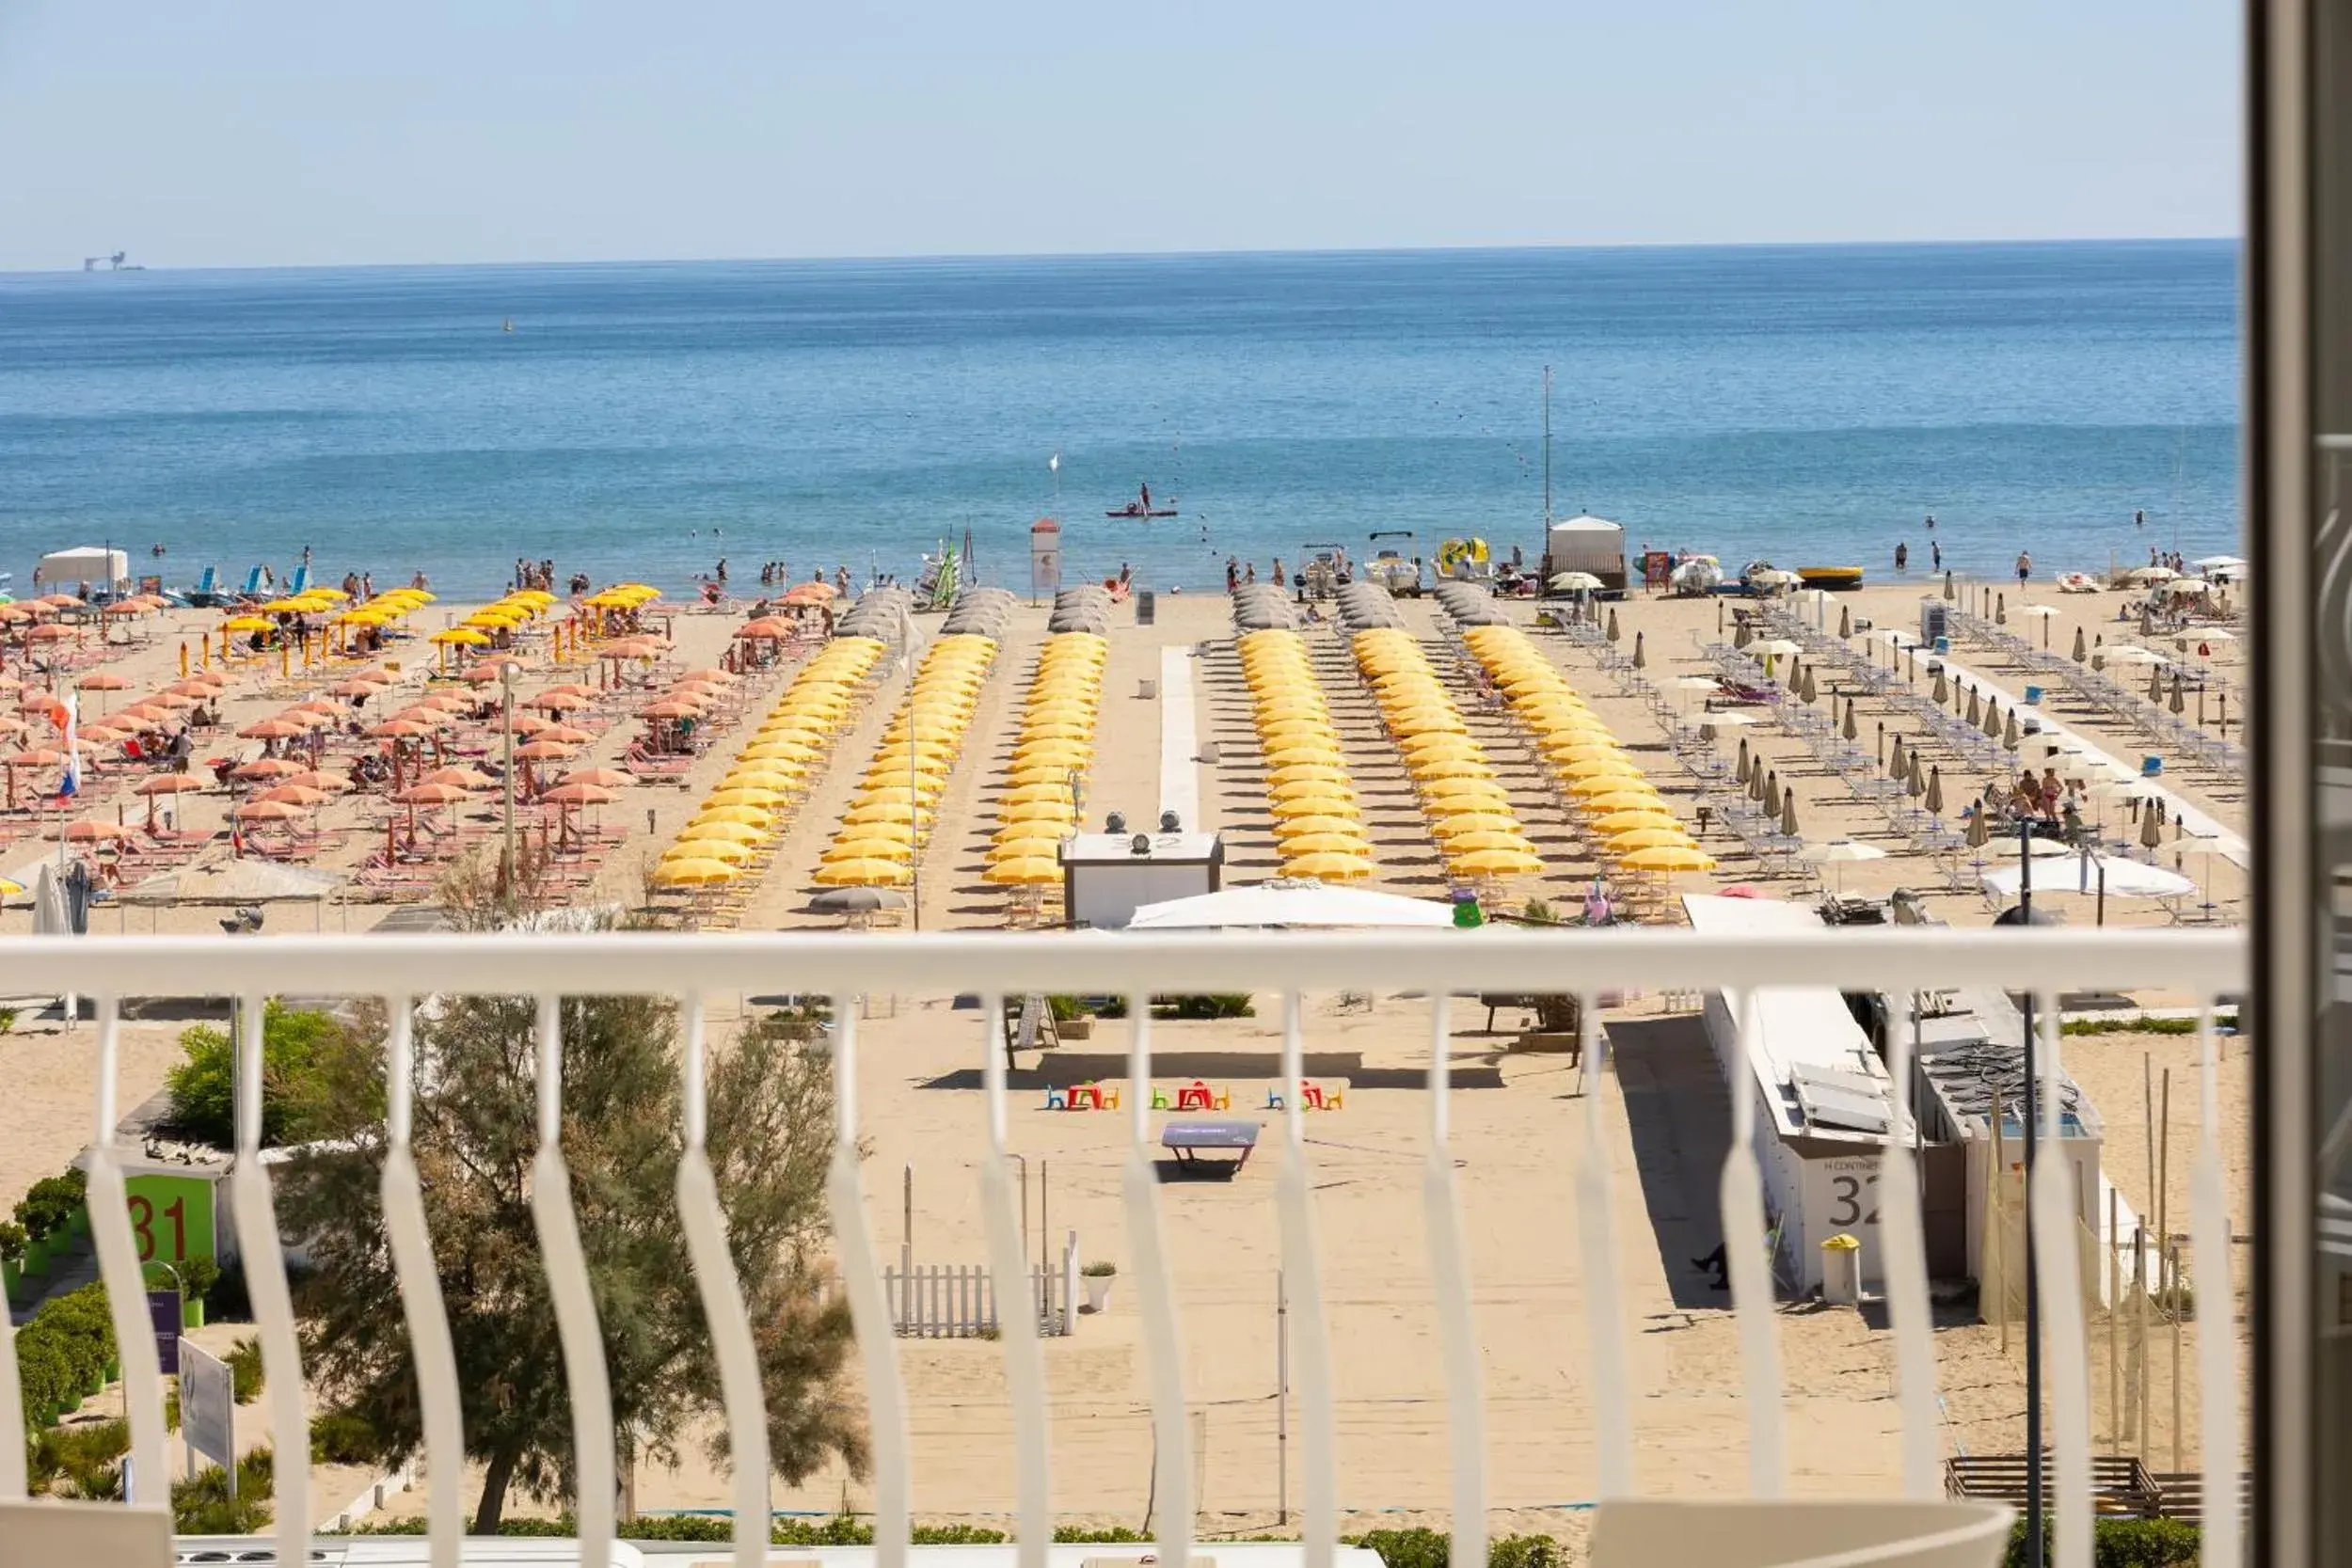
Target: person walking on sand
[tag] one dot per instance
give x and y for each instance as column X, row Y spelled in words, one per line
column 2025, row 567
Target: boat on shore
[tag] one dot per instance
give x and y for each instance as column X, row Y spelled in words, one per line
column 1830, row 577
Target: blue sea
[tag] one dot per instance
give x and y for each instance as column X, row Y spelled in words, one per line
column 1802, row 404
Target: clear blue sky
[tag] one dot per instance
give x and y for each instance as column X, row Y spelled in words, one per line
column 267, row 132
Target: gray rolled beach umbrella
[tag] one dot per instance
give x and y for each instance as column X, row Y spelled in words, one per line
column 1640, row 660
column 1788, row 812
column 1895, row 761
column 1845, row 620
column 1917, row 784
column 2180, row 700
column 2155, row 683
column 2000, row 611
column 2082, row 650
column 1942, row 688
column 1741, row 636
column 1992, row 725
column 2150, row 824
column 1743, row 759
column 1975, row 707
column 1756, row 782
column 1852, row 729
column 1812, row 692
column 1947, row 586
column 2008, row 730
column 1612, row 623
column 1935, row 792
column 1980, row 830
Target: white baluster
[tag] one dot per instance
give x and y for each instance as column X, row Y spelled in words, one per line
column 1748, row 1260
column 1311, row 1333
column 584, row 1372
column 1009, row 1271
column 126, row 1282
column 1457, row 1328
column 705, row 1227
column 2216, row 1341
column 272, row 1303
column 877, row 1334
column 2058, row 1265
column 1156, row 1288
column 1604, row 1303
column 420, row 1278
column 1903, row 1257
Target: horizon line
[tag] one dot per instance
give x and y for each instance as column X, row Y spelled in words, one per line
column 940, row 257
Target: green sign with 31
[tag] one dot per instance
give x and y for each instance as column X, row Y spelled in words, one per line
column 171, row 1217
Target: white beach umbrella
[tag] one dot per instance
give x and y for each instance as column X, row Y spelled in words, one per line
column 1840, row 852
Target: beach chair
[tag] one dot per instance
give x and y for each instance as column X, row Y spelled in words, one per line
column 252, row 589
column 298, row 582
column 206, row 593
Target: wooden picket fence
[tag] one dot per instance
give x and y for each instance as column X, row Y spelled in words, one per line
column 947, row 1301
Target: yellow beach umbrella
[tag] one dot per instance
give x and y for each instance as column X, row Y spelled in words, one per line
column 1495, row 863
column 1643, row 799
column 867, row 873
column 745, row 816
column 1027, row 846
column 1315, row 805
column 718, row 829
column 745, row 797
column 1300, row 752
column 1649, row 838
column 1431, row 768
column 1303, row 827
column 1463, row 789
column 1640, row 817
column 708, row 849
column 464, row 636
column 1329, row 867
column 1326, row 844
column 1668, row 858
column 887, row 811
column 867, row 848
column 1026, row 871
column 1615, row 764
column 1471, row 843
column 1446, row 829
column 886, row 832
column 694, row 873
column 1608, row 782
column 1308, row 788
column 1304, row 772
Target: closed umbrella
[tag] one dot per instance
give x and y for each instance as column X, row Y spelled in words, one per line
column 1845, row 620
column 1917, row 784
column 1743, row 759
column 1992, row 725
column 1613, row 623
column 1641, row 658
column 1948, row 587
column 2152, row 824
column 2180, row 703
column 1772, row 787
column 2008, row 730
column 1895, row 760
column 1975, row 707
column 2082, row 650
column 1788, row 812
column 2000, row 611
column 1942, row 688
column 1756, row 780
column 1980, row 830
column 1812, row 692
column 1935, row 792
column 1851, row 731
column 1741, row 636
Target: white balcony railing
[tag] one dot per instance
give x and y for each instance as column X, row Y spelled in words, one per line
column 2043, row 963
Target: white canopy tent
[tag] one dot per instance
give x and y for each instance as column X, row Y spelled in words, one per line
column 1296, row 906
column 94, row 564
column 2083, row 874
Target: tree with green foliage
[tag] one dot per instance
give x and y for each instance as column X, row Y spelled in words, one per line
column 475, row 1134
column 295, row 1042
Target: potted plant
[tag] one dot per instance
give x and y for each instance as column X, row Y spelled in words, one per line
column 198, row 1277
column 1098, row 1275
column 1071, row 1021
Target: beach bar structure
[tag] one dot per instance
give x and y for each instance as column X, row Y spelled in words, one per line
column 1107, row 877
column 1822, row 1109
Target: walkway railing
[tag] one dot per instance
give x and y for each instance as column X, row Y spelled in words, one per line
column 2043, row 962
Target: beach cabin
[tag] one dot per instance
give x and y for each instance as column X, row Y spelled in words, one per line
column 1586, row 543
column 107, row 571
column 1823, row 1110
column 1107, row 877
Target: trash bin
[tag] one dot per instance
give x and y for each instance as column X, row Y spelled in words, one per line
column 1145, row 607
column 1841, row 1271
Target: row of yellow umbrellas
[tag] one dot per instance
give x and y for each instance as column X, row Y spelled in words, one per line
column 624, row 596
column 1627, row 816
column 1318, row 823
column 1050, row 755
column 891, row 814
column 739, row 820
column 1462, row 799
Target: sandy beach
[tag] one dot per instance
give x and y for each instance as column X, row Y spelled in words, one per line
column 1520, row 1121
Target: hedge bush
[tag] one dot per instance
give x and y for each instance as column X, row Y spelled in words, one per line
column 339, row 1437
column 204, row 1507
column 244, row 1371
column 202, row 1104
column 2118, row 1544
column 81, row 1461
column 64, row 1351
column 48, row 1207
column 1431, row 1548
